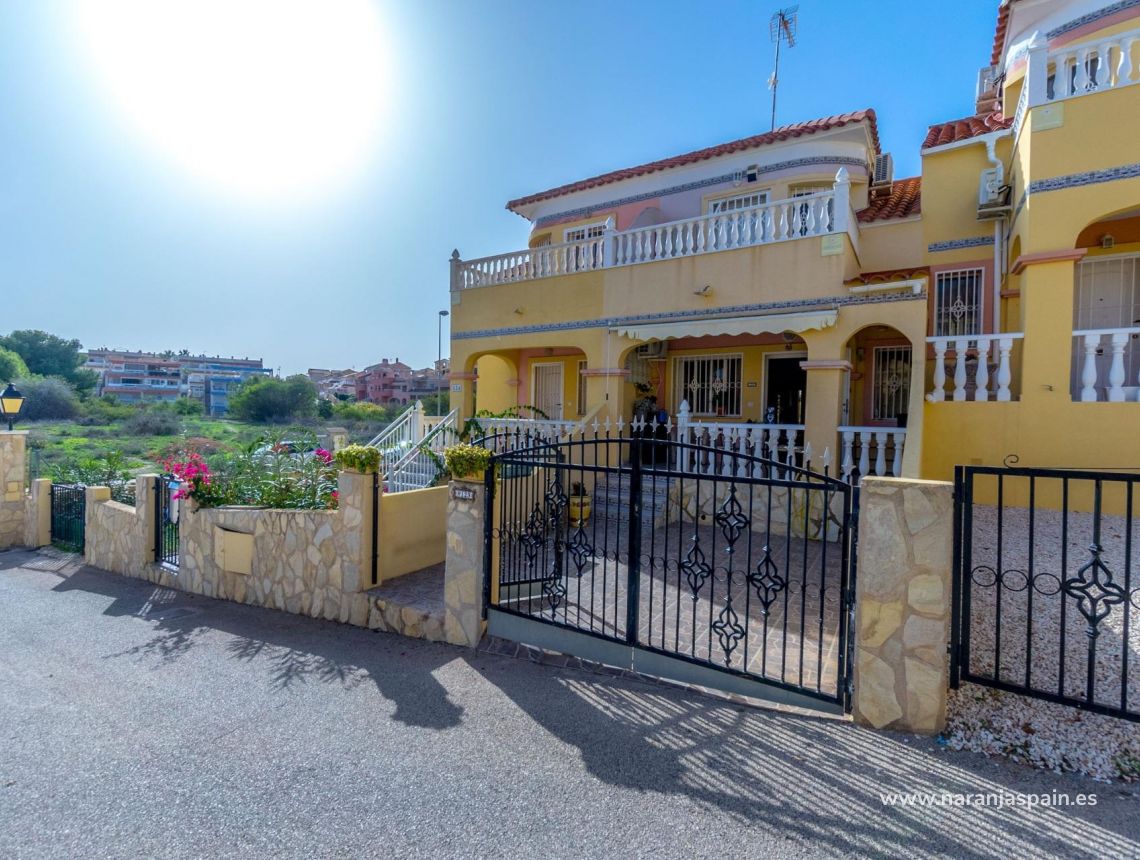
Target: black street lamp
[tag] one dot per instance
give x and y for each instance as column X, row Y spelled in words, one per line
column 11, row 402
column 438, row 362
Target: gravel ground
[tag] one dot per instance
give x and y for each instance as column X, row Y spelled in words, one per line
column 1018, row 582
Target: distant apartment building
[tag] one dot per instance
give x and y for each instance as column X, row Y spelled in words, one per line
column 136, row 377
column 396, row 383
column 334, row 384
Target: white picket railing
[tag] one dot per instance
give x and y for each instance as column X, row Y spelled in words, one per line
column 399, row 437
column 418, row 468
column 818, row 214
column 871, row 451
column 1106, row 377
column 1077, row 70
column 962, row 351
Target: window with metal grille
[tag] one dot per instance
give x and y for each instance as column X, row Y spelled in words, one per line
column 740, row 201
column 891, row 381
column 581, row 387
column 711, row 384
column 958, row 302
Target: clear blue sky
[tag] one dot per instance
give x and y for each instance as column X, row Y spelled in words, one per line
column 104, row 239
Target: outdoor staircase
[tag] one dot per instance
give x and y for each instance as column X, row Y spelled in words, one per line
column 611, row 498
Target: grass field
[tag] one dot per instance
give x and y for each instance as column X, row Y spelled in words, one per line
column 55, row 443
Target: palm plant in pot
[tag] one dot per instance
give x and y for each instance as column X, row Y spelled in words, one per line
column 578, row 505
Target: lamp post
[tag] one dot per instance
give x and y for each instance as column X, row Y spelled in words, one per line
column 439, row 361
column 11, row 402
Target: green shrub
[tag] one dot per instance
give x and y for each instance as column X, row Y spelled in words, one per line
column 153, row 422
column 362, row 458
column 463, row 460
column 47, row 398
column 188, row 406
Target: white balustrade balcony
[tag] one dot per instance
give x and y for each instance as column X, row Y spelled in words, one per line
column 1106, row 365
column 820, row 214
column 1077, row 70
column 871, row 451
column 977, row 351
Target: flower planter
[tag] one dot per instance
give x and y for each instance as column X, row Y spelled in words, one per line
column 579, row 507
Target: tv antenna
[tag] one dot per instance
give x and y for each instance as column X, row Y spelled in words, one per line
column 782, row 28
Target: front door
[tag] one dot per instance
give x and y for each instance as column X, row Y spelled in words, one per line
column 785, row 390
column 546, row 389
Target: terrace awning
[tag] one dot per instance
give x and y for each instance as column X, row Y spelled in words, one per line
column 766, row 324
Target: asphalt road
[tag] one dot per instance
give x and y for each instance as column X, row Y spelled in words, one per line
column 140, row 722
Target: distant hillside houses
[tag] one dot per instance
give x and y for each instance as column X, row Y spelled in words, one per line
column 135, row 377
column 388, row 382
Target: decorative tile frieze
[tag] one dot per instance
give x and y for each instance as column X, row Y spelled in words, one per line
column 955, row 244
column 1092, row 17
column 680, row 316
column 829, row 160
column 1089, row 177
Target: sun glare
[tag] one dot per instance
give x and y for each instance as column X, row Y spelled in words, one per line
column 267, row 100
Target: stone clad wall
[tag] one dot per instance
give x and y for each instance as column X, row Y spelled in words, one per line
column 903, row 604
column 12, row 499
column 120, row 538
column 463, row 622
column 37, row 514
column 315, row 563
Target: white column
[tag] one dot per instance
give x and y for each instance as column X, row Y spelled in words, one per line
column 864, row 452
column 900, row 440
column 609, row 240
column 939, row 392
column 982, row 377
column 1037, row 75
column 881, row 453
column 1088, row 372
column 842, row 190
column 1116, row 374
column 846, row 461
column 1124, row 68
column 1004, row 374
column 960, row 369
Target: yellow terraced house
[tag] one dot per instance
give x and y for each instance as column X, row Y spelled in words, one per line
column 788, row 287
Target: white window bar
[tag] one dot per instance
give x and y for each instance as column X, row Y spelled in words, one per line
column 958, row 302
column 891, row 381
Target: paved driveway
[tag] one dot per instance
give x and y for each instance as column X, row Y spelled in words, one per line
column 139, row 722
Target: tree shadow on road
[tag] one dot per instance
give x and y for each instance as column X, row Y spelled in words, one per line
column 290, row 650
column 812, row 778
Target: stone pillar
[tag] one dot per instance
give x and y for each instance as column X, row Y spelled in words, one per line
column 902, row 625
column 37, row 514
column 12, row 469
column 145, row 492
column 463, row 622
column 354, row 538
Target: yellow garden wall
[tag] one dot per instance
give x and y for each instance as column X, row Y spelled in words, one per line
column 413, row 531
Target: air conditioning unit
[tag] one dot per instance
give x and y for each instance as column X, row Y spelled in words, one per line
column 752, row 173
column 653, row 349
column 993, row 194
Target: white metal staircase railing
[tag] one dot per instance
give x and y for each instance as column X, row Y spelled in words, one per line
column 399, row 437
column 419, row 467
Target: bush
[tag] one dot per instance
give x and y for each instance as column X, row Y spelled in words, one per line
column 359, row 457
column 104, row 410
column 47, row 398
column 264, row 398
column 370, row 412
column 152, row 422
column 465, row 460
column 12, row 367
column 188, row 406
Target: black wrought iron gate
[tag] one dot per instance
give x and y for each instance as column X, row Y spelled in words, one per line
column 1044, row 595
column 68, row 516
column 706, row 566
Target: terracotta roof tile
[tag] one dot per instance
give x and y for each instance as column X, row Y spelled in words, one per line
column 943, row 133
column 999, row 33
column 783, row 133
column 904, row 200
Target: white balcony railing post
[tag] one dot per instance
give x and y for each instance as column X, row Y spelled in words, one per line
column 1116, row 371
column 609, row 241
column 982, row 377
column 842, row 206
column 960, row 369
column 1037, row 74
column 456, row 271
column 939, row 393
column 1005, row 373
column 1088, row 370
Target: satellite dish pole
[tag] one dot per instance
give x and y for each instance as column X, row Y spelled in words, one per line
column 782, row 28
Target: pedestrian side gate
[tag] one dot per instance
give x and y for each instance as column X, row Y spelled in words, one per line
column 706, row 566
column 68, row 516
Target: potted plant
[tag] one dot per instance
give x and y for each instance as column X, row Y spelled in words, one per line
column 466, row 462
column 358, row 458
column 578, row 505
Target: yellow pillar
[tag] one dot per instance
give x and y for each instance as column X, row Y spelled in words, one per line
column 1047, row 320
column 825, row 380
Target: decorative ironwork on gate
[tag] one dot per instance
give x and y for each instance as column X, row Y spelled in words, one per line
column 68, row 516
column 746, row 569
column 166, row 511
column 1044, row 596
